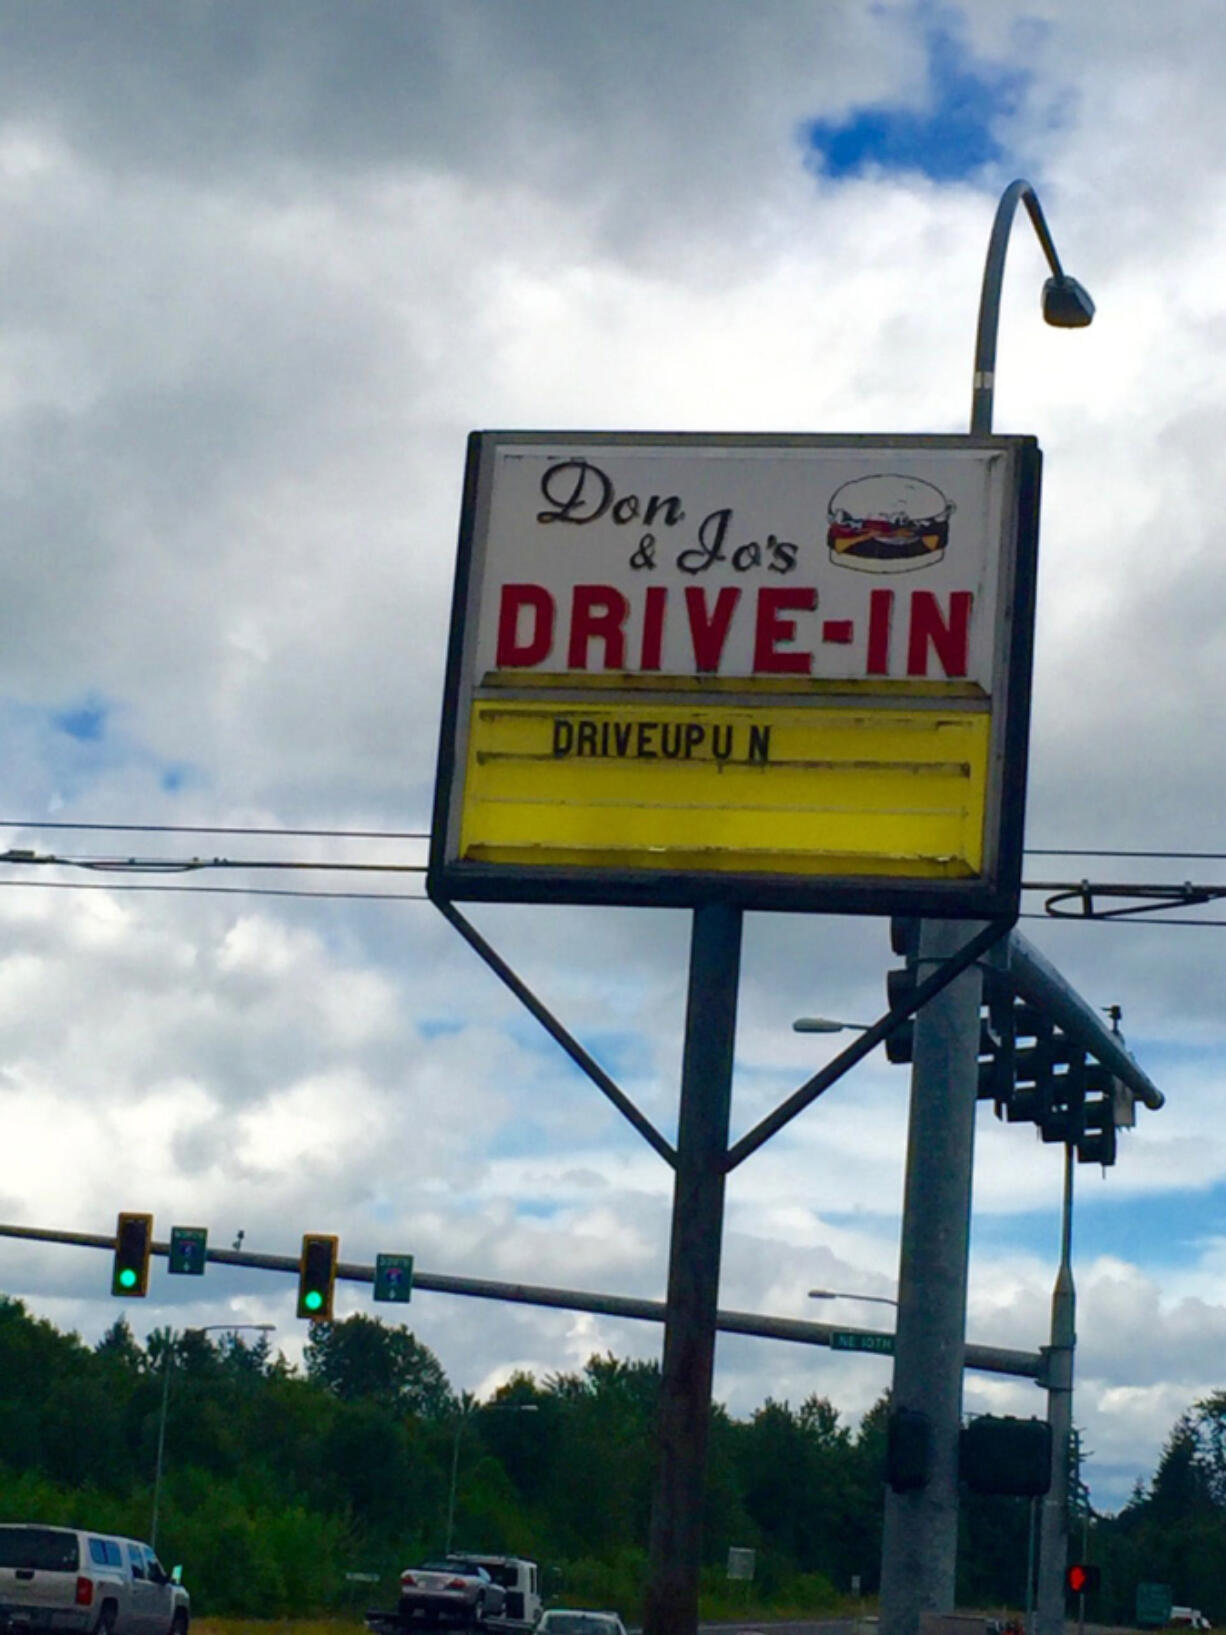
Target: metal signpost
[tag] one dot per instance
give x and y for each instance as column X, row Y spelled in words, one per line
column 730, row 673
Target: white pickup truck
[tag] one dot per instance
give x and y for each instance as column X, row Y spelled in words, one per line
column 65, row 1579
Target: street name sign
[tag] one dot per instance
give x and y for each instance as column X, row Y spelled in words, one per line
column 854, row 1340
column 783, row 672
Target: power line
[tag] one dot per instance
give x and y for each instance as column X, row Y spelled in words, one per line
column 217, row 829
column 1074, row 851
column 224, row 891
column 275, row 831
column 420, row 897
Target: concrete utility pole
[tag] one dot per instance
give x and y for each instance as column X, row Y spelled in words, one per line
column 920, row 1535
column 920, row 1538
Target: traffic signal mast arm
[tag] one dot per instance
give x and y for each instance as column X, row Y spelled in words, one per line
column 983, row 1358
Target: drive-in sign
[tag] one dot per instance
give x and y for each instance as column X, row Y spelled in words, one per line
column 787, row 672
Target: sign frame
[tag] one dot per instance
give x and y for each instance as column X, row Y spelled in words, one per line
column 993, row 893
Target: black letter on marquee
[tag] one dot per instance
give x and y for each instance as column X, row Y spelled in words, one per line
column 570, row 507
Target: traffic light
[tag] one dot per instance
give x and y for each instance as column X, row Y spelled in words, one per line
column 1096, row 1139
column 1000, row 1454
column 997, row 1041
column 1082, row 1579
column 394, row 1277
column 908, row 1449
column 133, row 1243
column 900, row 984
column 317, row 1276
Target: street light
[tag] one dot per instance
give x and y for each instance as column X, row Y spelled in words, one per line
column 1066, row 305
column 462, row 1419
column 919, row 1537
column 826, row 1024
column 167, row 1356
column 841, row 1294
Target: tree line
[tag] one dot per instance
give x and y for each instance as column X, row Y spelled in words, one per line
column 279, row 1484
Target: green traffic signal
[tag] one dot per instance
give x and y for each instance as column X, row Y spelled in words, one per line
column 317, row 1276
column 133, row 1246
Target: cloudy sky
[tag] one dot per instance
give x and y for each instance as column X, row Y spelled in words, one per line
column 263, row 269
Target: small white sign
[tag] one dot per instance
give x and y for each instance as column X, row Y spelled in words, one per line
column 741, row 1562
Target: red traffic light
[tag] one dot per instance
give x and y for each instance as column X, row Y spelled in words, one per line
column 1082, row 1579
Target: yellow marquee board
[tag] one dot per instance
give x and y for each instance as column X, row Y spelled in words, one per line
column 790, row 673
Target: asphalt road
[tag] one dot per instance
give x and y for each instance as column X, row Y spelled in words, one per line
column 814, row 1626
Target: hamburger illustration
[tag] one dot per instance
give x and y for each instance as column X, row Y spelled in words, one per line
column 888, row 524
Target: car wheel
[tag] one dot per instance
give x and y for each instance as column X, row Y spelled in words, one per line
column 106, row 1620
column 479, row 1612
column 178, row 1624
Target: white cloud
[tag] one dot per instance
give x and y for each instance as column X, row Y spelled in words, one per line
column 260, row 281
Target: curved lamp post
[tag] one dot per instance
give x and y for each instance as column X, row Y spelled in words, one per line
column 1066, row 305
column 919, row 1541
column 209, row 1328
column 462, row 1419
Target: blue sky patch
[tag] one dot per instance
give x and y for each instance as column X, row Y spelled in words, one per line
column 439, row 1027
column 84, row 722
column 1164, row 1227
column 948, row 139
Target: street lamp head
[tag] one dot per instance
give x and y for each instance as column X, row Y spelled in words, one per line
column 825, row 1024
column 1066, row 304
column 842, row 1294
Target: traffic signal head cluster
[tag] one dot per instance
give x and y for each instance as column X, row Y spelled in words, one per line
column 1031, row 1070
column 188, row 1252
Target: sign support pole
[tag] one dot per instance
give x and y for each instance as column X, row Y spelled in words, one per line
column 671, row 1606
column 920, row 1536
column 1053, row 1546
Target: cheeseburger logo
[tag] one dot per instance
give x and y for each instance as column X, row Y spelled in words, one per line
column 888, row 524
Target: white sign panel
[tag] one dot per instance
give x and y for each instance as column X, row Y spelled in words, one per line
column 761, row 564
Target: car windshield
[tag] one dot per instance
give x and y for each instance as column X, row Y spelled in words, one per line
column 452, row 1567
column 45, row 1549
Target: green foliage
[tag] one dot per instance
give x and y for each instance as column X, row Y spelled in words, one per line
column 276, row 1484
column 362, row 1360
